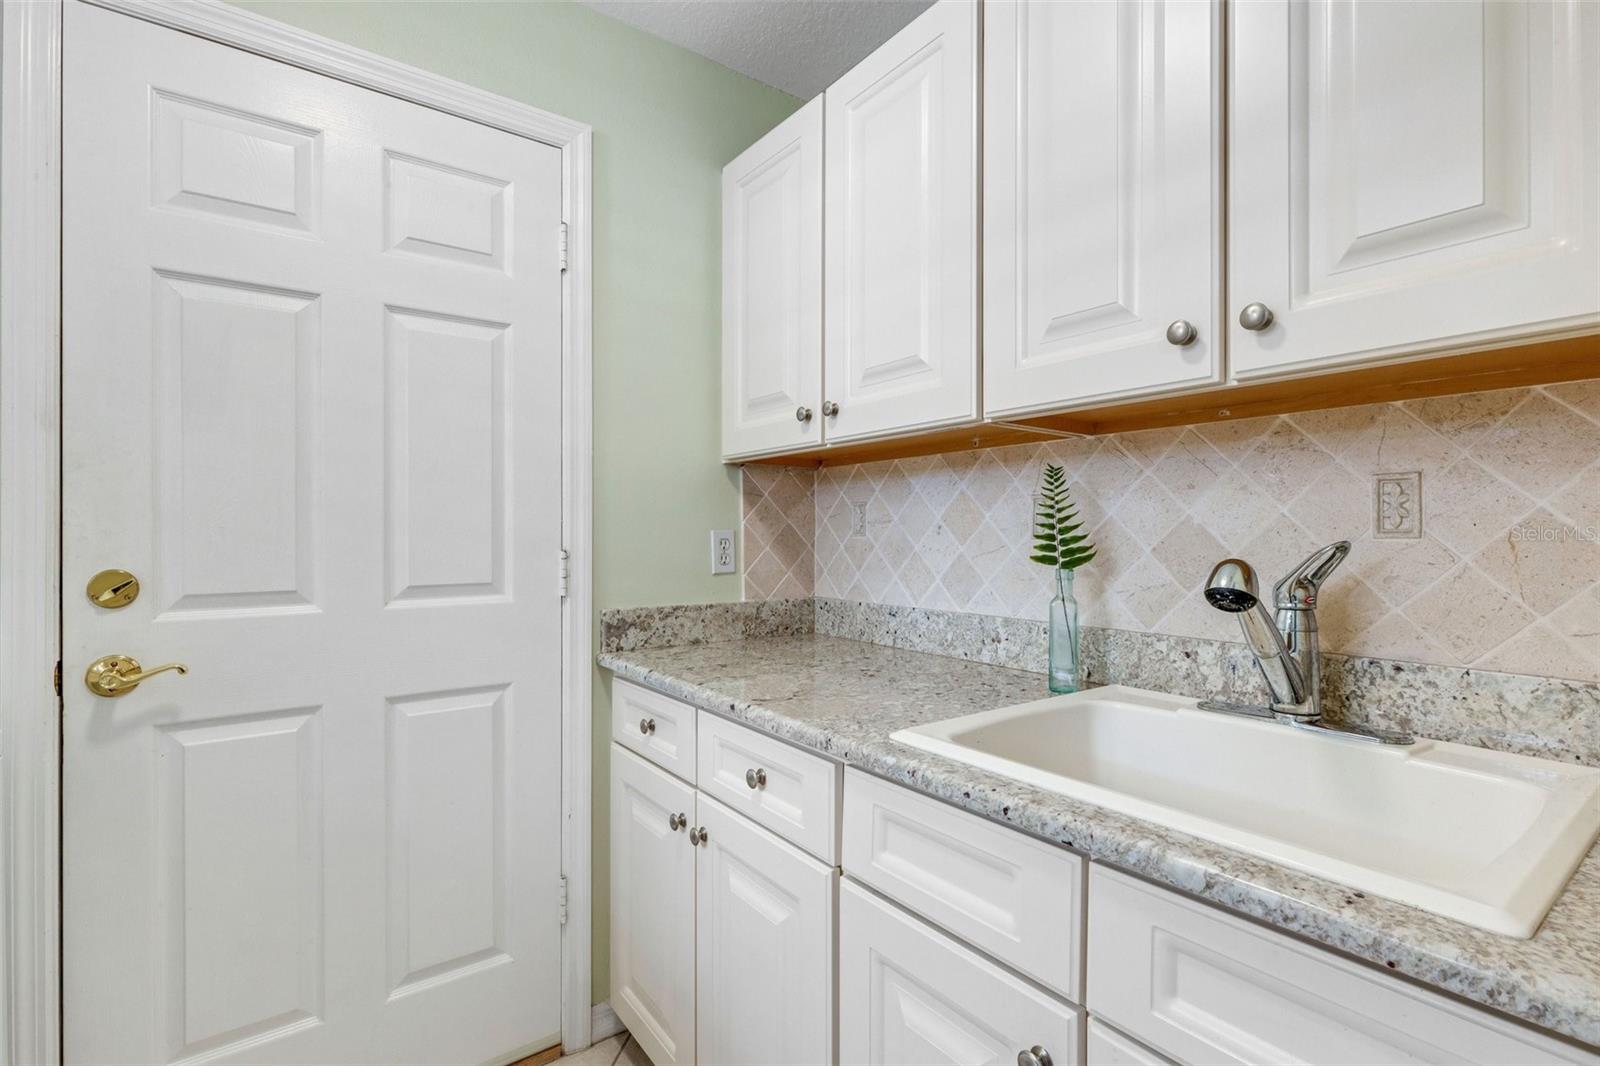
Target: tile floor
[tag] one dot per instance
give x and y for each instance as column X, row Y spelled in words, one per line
column 619, row 1050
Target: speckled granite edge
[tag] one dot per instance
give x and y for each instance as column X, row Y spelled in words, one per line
column 845, row 698
column 1547, row 717
column 633, row 628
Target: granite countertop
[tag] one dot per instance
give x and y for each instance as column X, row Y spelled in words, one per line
column 844, row 698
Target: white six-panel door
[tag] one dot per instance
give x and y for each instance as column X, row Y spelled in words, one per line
column 1102, row 187
column 311, row 400
column 900, row 253
column 763, row 947
column 772, row 290
column 1409, row 174
column 652, row 908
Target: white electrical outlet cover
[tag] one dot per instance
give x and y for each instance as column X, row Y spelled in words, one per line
column 723, row 551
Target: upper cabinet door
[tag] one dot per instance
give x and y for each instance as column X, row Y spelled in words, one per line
column 1410, row 176
column 1102, row 222
column 902, row 229
column 772, row 290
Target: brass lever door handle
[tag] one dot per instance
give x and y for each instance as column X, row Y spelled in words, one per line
column 118, row 675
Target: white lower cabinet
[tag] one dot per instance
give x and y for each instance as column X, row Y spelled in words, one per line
column 652, row 908
column 1202, row 986
column 734, row 942
column 763, row 946
column 910, row 994
column 1105, row 1046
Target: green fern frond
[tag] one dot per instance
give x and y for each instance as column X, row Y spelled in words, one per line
column 1056, row 540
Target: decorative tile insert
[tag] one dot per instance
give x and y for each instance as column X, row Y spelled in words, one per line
column 1503, row 573
column 1397, row 506
column 779, row 532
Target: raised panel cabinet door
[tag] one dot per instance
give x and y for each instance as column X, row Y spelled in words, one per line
column 911, row 996
column 763, row 946
column 901, row 323
column 311, row 366
column 1409, row 177
column 1102, row 189
column 772, row 290
column 652, row 907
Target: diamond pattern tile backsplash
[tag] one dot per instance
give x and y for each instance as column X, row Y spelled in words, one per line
column 1475, row 521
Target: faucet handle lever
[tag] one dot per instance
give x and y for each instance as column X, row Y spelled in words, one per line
column 1298, row 589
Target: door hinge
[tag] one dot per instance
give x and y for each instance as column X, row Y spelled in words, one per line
column 563, row 899
column 561, row 245
column 56, row 680
column 562, row 573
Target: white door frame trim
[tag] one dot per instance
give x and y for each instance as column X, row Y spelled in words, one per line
column 30, row 496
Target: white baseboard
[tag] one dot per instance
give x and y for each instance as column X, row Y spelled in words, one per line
column 603, row 1022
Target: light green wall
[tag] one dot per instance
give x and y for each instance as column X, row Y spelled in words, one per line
column 665, row 121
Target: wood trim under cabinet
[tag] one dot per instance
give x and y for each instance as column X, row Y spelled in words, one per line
column 1542, row 363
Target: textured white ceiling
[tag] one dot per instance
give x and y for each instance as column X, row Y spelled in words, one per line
column 799, row 46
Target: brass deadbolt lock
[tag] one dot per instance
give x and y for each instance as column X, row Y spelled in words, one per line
column 112, row 589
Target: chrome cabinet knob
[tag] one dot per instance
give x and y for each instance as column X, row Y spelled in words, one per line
column 829, row 408
column 1034, row 1056
column 1255, row 317
column 676, row 822
column 802, row 414
column 756, row 778
column 647, row 726
column 1182, row 333
column 698, row 836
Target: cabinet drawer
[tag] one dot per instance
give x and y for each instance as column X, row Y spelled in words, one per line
column 1104, row 1046
column 1017, row 898
column 1203, row 986
column 658, row 727
column 908, row 993
column 791, row 792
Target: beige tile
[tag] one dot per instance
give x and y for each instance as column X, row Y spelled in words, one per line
column 1467, row 614
column 962, row 517
column 1149, row 445
column 1108, row 473
column 1398, row 570
column 1347, row 611
column 1544, row 562
column 633, row 1055
column 1584, row 395
column 1388, row 440
column 603, row 1053
column 1147, row 591
column 1149, row 510
column 1279, row 547
column 1190, row 468
column 1540, row 446
column 1235, row 509
column 1466, row 417
column 1284, row 461
column 1465, row 506
column 1188, row 553
column 1337, row 506
column 1541, row 650
column 1393, row 636
column 988, row 481
column 1579, row 624
column 1234, row 438
column 1579, row 501
column 961, row 580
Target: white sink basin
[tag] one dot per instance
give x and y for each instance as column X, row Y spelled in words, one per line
column 1483, row 837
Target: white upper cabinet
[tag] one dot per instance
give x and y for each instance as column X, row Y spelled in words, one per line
column 772, row 290
column 1409, row 176
column 902, row 226
column 1102, row 165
